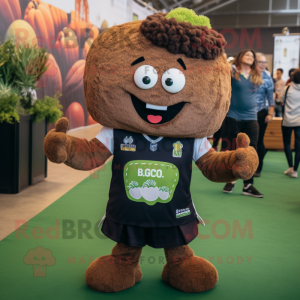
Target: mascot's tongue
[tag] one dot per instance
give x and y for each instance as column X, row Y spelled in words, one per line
column 154, row 119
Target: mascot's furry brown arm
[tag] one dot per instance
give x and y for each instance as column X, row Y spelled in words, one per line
column 230, row 165
column 159, row 87
column 79, row 154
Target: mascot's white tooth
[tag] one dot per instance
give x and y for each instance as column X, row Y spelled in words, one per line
column 157, row 107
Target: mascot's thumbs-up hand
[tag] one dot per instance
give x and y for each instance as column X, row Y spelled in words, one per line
column 246, row 158
column 79, row 154
column 230, row 165
column 56, row 142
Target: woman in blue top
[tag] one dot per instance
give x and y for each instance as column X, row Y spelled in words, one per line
column 242, row 115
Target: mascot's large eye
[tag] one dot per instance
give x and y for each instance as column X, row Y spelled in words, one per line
column 173, row 81
column 145, row 77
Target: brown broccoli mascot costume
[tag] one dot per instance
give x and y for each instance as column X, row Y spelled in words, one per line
column 159, row 87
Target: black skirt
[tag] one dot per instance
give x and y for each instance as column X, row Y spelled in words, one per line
column 158, row 237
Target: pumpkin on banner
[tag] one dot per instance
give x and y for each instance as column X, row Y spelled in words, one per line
column 38, row 15
column 60, row 18
column 80, row 21
column 73, row 86
column 66, row 50
column 86, row 47
column 80, row 28
column 75, row 115
column 94, row 32
column 91, row 121
column 21, row 32
column 9, row 12
column 51, row 82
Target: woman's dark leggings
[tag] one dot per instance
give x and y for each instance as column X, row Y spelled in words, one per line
column 287, row 134
column 232, row 128
column 261, row 150
column 218, row 135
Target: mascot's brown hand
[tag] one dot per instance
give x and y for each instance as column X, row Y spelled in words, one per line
column 56, row 142
column 246, row 161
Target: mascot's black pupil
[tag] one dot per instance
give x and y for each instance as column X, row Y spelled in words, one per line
column 146, row 80
column 169, row 81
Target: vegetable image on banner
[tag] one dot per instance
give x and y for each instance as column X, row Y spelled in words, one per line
column 150, row 181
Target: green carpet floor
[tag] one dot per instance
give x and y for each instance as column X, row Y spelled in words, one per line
column 273, row 250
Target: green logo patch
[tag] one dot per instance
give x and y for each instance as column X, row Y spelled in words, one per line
column 150, row 181
column 182, row 212
column 177, row 149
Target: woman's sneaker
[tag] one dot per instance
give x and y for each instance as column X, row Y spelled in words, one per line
column 294, row 174
column 228, row 188
column 250, row 190
column 289, row 171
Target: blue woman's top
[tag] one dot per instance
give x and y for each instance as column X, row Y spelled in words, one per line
column 243, row 99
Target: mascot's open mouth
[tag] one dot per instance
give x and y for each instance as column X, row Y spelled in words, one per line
column 155, row 114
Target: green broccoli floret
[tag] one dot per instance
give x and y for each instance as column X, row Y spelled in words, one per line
column 149, row 183
column 182, row 14
column 132, row 185
column 164, row 189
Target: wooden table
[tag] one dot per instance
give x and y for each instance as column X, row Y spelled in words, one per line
column 273, row 136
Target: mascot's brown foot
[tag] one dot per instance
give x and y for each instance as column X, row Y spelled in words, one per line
column 116, row 272
column 188, row 273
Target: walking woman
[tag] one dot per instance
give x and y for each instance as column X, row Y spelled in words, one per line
column 242, row 115
column 290, row 99
column 265, row 108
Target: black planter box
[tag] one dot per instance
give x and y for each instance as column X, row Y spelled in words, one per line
column 22, row 159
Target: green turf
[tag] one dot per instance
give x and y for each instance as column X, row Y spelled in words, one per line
column 272, row 274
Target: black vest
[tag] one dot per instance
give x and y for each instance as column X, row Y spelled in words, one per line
column 150, row 188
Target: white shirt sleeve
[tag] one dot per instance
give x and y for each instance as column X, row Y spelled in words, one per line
column 201, row 147
column 282, row 96
column 106, row 137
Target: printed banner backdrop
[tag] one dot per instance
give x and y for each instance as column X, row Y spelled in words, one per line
column 67, row 28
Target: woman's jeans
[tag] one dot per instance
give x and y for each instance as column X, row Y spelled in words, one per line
column 287, row 134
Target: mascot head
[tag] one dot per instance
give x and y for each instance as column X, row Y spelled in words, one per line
column 164, row 76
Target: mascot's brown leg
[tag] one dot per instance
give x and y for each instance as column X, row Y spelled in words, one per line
column 188, row 273
column 116, row 272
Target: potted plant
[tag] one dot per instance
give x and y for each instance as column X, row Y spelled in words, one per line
column 23, row 117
